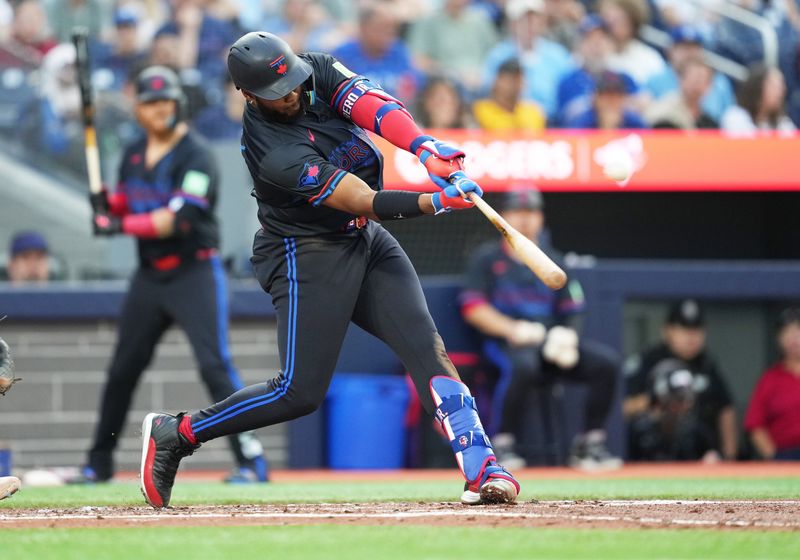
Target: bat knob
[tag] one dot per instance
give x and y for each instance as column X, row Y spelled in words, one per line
column 557, row 279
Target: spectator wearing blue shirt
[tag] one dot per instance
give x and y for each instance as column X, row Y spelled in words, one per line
column 118, row 59
column 222, row 121
column 609, row 108
column 203, row 40
column 379, row 55
column 306, row 25
column 544, row 62
column 687, row 43
column 576, row 90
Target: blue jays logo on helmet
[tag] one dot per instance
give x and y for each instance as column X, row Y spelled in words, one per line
column 279, row 65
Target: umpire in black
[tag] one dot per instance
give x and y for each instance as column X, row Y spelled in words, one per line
column 167, row 189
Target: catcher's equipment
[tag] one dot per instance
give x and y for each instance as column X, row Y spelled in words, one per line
column 7, row 378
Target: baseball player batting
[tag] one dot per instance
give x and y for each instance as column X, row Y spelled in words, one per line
column 165, row 199
column 325, row 259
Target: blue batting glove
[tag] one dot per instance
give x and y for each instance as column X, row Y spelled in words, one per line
column 454, row 195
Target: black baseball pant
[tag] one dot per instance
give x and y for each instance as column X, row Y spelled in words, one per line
column 522, row 369
column 195, row 297
column 318, row 285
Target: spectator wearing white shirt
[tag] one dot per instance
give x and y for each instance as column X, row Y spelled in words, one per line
column 631, row 56
column 760, row 105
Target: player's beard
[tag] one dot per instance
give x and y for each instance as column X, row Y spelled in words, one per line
column 276, row 116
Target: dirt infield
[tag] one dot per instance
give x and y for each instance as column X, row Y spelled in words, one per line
column 773, row 515
column 724, row 515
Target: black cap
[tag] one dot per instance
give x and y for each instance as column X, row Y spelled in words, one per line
column 528, row 198
column 510, row 66
column 156, row 83
column 264, row 65
column 686, row 313
column 789, row 316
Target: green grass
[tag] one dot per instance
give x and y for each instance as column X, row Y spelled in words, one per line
column 389, row 543
column 402, row 540
column 581, row 489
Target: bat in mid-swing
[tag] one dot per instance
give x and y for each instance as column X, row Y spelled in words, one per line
column 80, row 38
column 527, row 251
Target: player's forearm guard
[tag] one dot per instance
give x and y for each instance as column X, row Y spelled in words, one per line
column 396, row 205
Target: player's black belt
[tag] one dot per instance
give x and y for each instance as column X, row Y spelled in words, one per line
column 170, row 262
column 356, row 223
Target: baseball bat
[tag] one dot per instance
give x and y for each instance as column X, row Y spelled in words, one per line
column 527, row 251
column 80, row 38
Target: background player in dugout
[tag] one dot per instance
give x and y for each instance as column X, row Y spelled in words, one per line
column 531, row 336
column 166, row 193
column 326, row 261
column 677, row 403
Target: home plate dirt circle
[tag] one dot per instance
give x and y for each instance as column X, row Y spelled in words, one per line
column 772, row 515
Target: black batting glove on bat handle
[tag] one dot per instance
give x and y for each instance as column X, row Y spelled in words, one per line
column 106, row 225
column 99, row 202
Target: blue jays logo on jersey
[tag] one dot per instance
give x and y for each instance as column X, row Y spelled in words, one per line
column 351, row 155
column 310, row 175
column 279, row 65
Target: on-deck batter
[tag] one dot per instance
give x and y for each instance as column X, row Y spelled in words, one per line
column 165, row 198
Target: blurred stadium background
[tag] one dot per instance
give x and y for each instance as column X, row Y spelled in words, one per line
column 709, row 214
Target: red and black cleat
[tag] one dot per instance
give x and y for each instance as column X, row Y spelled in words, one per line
column 163, row 447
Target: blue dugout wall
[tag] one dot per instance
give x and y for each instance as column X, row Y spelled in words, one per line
column 608, row 285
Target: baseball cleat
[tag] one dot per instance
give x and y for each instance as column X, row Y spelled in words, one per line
column 163, row 447
column 495, row 486
column 589, row 453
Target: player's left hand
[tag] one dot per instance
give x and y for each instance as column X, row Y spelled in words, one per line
column 561, row 347
column 441, row 160
column 454, row 195
column 106, row 224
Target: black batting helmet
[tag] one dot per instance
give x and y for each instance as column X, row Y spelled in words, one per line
column 264, row 65
column 156, row 83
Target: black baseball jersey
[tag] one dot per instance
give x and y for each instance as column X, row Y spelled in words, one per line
column 185, row 180
column 710, row 389
column 296, row 166
column 494, row 277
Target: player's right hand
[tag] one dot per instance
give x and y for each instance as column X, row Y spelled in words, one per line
column 106, row 224
column 99, row 202
column 454, row 195
column 527, row 333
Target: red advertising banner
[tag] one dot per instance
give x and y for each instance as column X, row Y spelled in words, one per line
column 575, row 161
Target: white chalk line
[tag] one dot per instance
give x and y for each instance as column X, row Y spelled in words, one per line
column 472, row 513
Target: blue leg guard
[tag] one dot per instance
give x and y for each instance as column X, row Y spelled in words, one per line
column 487, row 482
column 456, row 411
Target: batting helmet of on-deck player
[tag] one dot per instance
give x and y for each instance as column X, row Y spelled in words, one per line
column 156, row 83
column 264, row 65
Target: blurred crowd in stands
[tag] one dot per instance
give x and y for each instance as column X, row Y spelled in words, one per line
column 491, row 64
